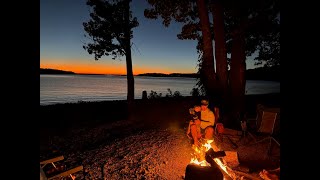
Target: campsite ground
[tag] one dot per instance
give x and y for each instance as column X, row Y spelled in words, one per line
column 152, row 145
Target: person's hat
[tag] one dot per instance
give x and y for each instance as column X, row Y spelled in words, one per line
column 205, row 102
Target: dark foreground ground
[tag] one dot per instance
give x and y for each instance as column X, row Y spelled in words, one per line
column 150, row 145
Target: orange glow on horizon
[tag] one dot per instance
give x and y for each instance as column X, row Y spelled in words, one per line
column 119, row 69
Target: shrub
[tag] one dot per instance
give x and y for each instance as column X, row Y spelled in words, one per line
column 154, row 95
column 195, row 92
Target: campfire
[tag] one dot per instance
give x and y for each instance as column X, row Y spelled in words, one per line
column 198, row 157
column 207, row 155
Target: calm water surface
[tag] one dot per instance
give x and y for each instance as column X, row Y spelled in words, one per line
column 73, row 88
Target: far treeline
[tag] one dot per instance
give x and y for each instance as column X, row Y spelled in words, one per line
column 261, row 73
column 54, row 71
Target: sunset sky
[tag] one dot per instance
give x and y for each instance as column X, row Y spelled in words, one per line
column 156, row 48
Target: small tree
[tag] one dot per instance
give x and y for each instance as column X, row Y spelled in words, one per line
column 110, row 28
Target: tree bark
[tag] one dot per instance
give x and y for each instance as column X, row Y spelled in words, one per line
column 130, row 78
column 237, row 74
column 207, row 71
column 220, row 49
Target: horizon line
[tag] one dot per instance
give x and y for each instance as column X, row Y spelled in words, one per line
column 114, row 73
column 120, row 74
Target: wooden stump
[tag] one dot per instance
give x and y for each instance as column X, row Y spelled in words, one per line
column 144, row 95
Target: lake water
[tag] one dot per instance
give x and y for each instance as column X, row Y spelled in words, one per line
column 73, row 88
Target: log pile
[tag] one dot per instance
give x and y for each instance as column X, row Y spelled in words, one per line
column 230, row 165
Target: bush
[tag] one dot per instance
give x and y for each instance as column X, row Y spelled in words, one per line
column 177, row 94
column 154, row 95
column 195, row 92
column 169, row 94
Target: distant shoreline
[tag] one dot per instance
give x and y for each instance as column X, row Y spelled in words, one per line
column 256, row 79
column 262, row 73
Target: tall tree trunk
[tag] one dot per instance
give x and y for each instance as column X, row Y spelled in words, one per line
column 207, row 71
column 237, row 74
column 130, row 78
column 220, row 49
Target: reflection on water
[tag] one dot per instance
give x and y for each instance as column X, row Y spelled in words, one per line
column 73, row 88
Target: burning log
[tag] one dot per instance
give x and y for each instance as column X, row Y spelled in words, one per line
column 212, row 154
column 247, row 175
column 242, row 168
column 218, row 163
column 196, row 172
column 231, row 159
column 205, row 156
column 209, row 158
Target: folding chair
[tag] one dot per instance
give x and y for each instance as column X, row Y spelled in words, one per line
column 242, row 119
column 265, row 129
column 62, row 174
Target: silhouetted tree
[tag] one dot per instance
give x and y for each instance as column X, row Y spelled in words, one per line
column 217, row 11
column 249, row 26
column 240, row 28
column 194, row 15
column 110, row 28
column 259, row 21
column 269, row 45
column 207, row 71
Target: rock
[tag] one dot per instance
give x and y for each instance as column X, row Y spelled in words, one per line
column 164, row 162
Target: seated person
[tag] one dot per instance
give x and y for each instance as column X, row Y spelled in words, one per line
column 207, row 120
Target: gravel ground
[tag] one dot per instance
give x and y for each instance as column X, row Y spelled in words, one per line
column 128, row 150
column 145, row 154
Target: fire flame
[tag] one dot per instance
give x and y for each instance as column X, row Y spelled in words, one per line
column 202, row 163
column 204, row 148
column 199, row 151
column 207, row 145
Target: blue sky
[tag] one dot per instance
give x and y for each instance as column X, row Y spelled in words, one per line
column 156, row 48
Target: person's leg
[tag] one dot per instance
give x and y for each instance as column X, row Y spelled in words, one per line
column 194, row 134
column 208, row 133
column 189, row 129
column 197, row 123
